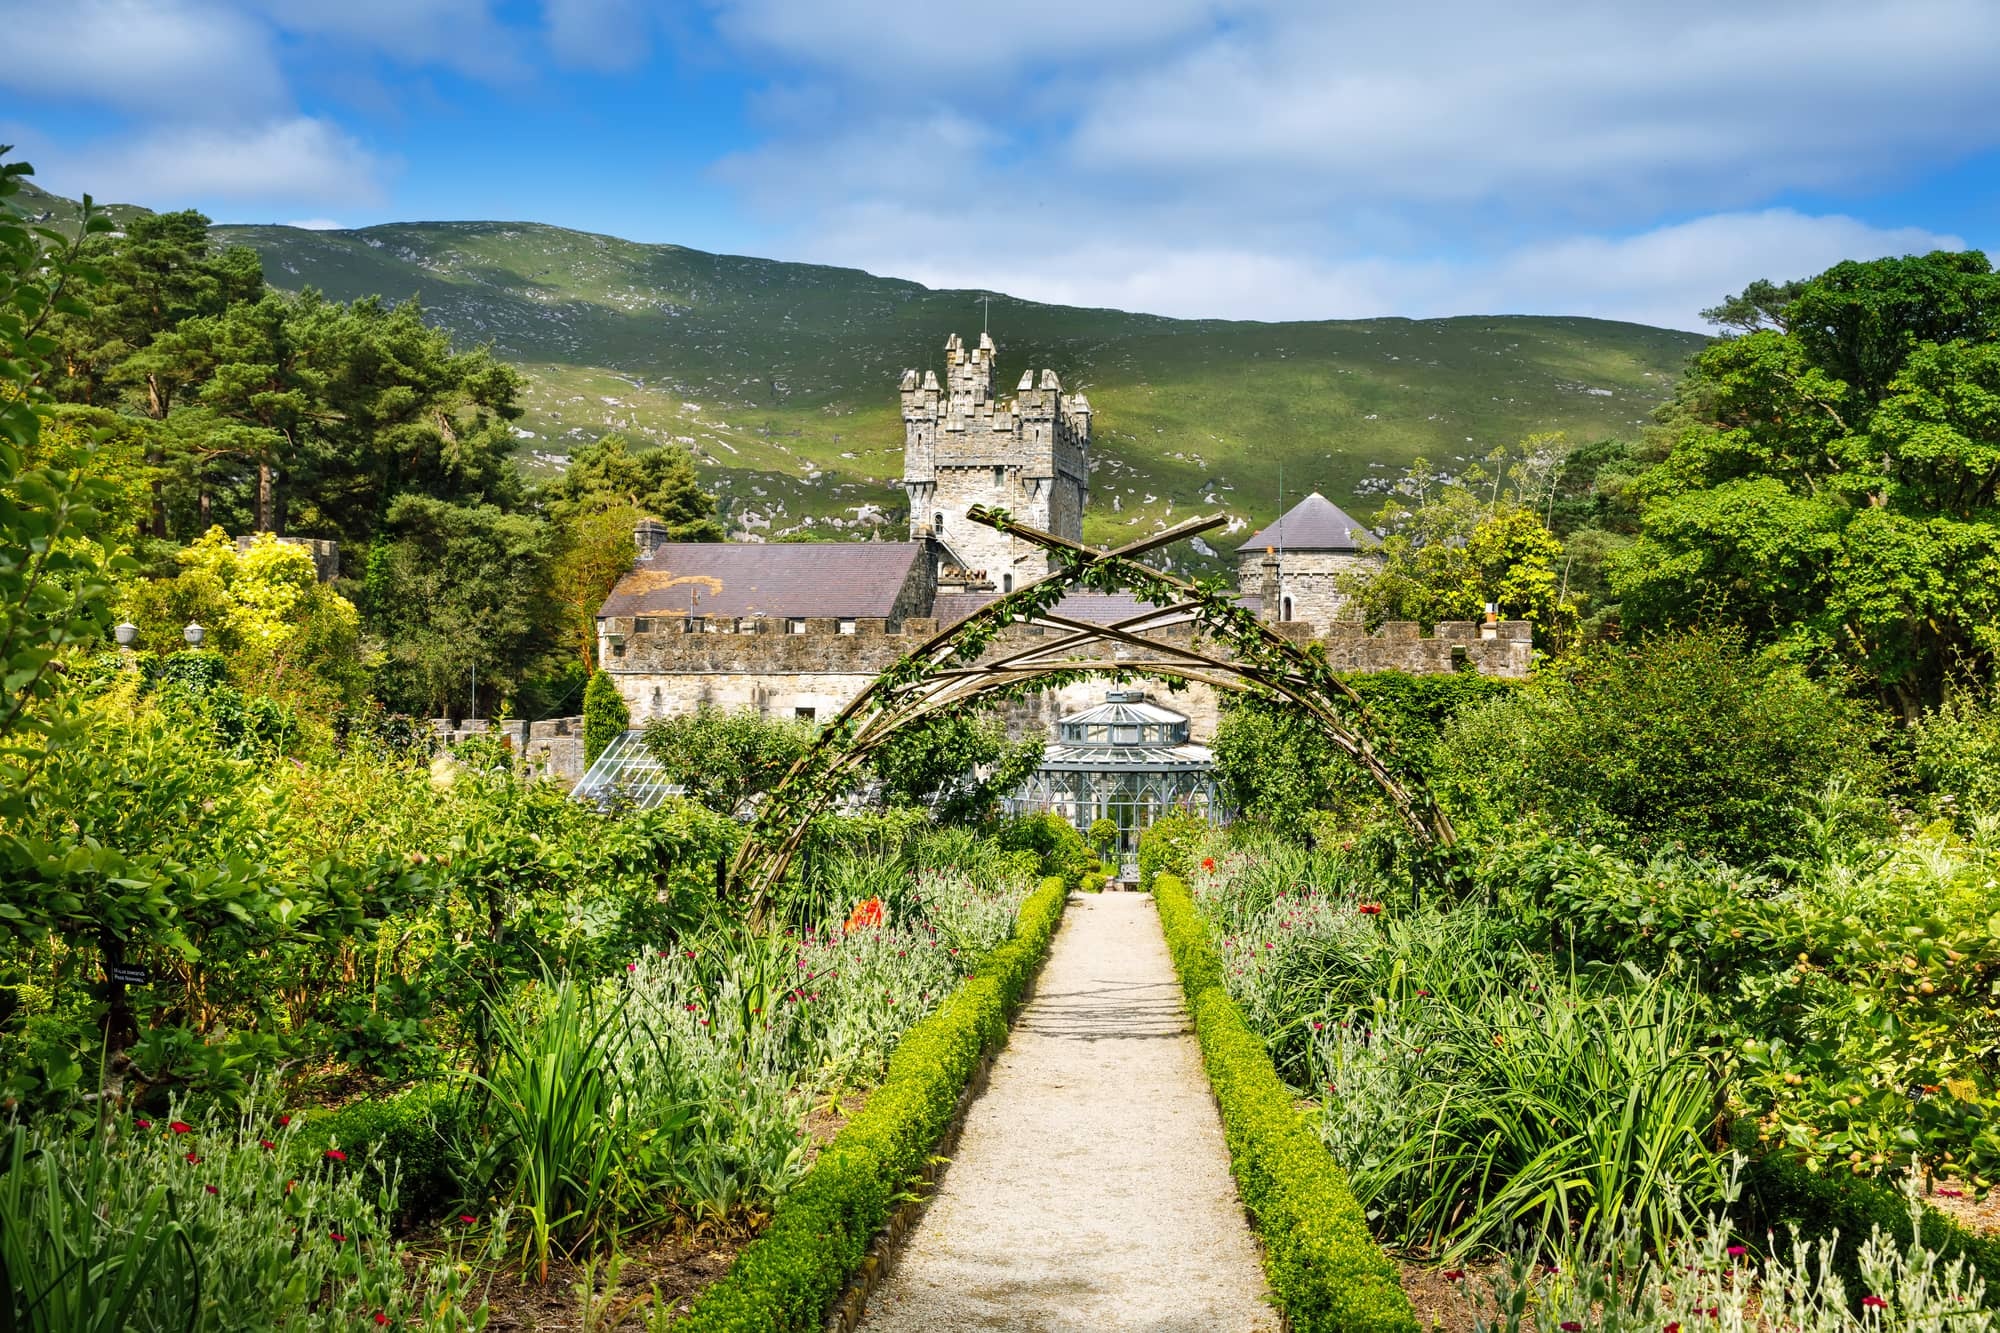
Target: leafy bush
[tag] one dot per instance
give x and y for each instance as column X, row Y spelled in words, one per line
column 212, row 1226
column 1326, row 1272
column 784, row 1281
column 1170, row 845
column 402, row 1139
column 605, row 716
column 1687, row 741
column 1065, row 855
column 726, row 759
column 1955, row 756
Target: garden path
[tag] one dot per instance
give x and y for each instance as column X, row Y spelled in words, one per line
column 1091, row 1186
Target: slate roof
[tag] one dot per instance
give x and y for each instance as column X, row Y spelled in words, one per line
column 1313, row 524
column 786, row 579
column 1093, row 608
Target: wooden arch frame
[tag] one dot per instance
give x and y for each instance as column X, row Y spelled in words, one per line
column 942, row 676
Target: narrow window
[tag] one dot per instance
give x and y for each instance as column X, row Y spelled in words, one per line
column 1285, row 609
column 804, row 714
column 999, row 475
column 937, row 523
column 1006, row 583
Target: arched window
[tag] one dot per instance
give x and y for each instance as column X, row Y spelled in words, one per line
column 1285, row 609
column 937, row 522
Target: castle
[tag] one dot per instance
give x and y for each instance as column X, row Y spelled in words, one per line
column 797, row 630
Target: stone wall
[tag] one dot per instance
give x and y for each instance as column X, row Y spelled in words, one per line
column 666, row 673
column 554, row 745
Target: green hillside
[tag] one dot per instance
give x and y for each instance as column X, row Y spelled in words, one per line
column 782, row 377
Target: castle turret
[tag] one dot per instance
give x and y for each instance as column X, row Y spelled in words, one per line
column 1029, row 455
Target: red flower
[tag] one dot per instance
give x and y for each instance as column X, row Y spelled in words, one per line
column 690, row 1006
column 381, row 1318
column 467, row 1218
column 867, row 912
column 284, row 1120
column 1874, row 1303
column 334, row 1155
column 1674, row 1327
column 266, row 1144
column 631, row 967
column 1208, row 863
column 1370, row 909
column 181, row 1127
column 211, row 1189
column 337, row 1238
column 1737, row 1251
column 1942, row 1194
column 1449, row 1274
column 194, row 1159
column 1570, row 1326
column 142, row 1124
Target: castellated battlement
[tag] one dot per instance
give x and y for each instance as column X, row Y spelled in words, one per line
column 865, row 647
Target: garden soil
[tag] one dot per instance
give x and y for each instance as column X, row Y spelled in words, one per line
column 1091, row 1186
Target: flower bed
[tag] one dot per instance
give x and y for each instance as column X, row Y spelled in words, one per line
column 821, row 1231
column 1326, row 1271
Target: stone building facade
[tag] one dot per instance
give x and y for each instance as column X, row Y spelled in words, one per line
column 1298, row 566
column 798, row 630
column 1029, row 455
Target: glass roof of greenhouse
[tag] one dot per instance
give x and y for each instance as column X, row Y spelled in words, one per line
column 1128, row 707
column 1125, row 733
column 626, row 773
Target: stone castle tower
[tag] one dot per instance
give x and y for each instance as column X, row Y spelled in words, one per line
column 961, row 447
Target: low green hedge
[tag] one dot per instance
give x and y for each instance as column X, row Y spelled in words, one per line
column 785, row 1280
column 403, row 1132
column 1327, row 1274
column 1780, row 1197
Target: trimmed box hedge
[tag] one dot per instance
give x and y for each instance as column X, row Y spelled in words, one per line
column 784, row 1281
column 1326, row 1272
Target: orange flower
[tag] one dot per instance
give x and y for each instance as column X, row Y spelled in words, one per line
column 866, row 913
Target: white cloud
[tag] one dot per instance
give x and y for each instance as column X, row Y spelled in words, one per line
column 608, row 35
column 298, row 160
column 317, row 224
column 462, row 35
column 192, row 59
column 1664, row 276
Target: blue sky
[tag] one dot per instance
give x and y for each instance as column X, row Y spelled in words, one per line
column 1257, row 159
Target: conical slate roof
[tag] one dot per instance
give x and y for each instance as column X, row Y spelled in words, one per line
column 1313, row 524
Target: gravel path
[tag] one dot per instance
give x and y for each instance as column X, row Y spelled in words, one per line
column 1091, row 1186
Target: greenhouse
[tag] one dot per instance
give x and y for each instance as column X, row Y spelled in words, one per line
column 626, row 775
column 1127, row 760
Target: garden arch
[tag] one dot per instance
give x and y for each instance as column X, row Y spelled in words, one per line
column 1231, row 651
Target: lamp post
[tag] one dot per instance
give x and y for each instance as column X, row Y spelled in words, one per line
column 194, row 634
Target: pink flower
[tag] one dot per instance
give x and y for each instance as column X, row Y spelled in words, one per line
column 1737, row 1251
column 631, row 967
column 142, row 1124
column 467, row 1218
column 181, row 1127
column 1874, row 1303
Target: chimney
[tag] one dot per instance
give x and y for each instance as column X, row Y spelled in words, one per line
column 649, row 535
column 1267, row 584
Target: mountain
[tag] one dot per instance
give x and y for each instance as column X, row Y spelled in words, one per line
column 782, row 377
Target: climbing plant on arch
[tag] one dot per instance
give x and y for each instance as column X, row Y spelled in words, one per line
column 1231, row 650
